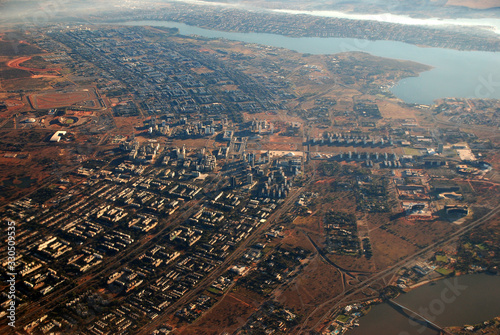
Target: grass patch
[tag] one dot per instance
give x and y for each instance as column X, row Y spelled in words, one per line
column 214, row 291
column 450, row 153
column 442, row 259
column 481, row 247
column 444, row 272
column 412, row 151
column 342, row 318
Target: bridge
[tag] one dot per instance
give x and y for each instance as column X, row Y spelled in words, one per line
column 412, row 314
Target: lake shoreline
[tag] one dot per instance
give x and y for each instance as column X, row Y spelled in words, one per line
column 439, row 285
column 454, row 74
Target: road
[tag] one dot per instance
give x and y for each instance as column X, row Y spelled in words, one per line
column 16, row 64
column 343, row 298
column 51, row 301
column 410, row 313
column 238, row 253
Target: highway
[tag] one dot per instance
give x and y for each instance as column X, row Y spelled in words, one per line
column 51, row 301
column 207, row 281
column 344, row 297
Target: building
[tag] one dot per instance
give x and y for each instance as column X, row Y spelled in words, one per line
column 457, row 209
column 57, row 136
column 227, row 136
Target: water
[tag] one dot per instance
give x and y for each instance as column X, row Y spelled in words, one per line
column 384, row 320
column 464, row 74
column 470, row 300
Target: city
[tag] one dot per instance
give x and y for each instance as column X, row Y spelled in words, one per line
column 156, row 183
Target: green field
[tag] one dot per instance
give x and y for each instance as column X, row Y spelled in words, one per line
column 343, row 318
column 481, row 247
column 442, row 259
column 214, row 291
column 444, row 272
column 413, row 152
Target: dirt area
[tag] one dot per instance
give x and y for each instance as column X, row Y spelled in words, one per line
column 388, row 249
column 201, row 70
column 279, row 146
column 354, row 149
column 194, row 143
column 295, row 238
column 329, row 200
column 228, row 87
column 14, row 47
column 14, row 105
column 318, row 282
column 126, row 125
column 390, row 110
column 308, row 223
column 22, row 79
column 487, row 193
column 14, row 75
column 420, row 232
column 280, row 116
column 353, row 263
column 227, row 315
column 22, row 176
column 85, row 97
column 16, row 64
column 27, row 160
column 284, row 139
column 7, row 73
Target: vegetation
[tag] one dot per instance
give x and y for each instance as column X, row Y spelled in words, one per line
column 42, row 195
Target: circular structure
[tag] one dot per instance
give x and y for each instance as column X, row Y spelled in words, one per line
column 67, row 120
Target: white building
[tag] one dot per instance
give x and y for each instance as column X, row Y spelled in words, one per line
column 57, row 136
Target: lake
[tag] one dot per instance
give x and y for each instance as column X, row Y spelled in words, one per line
column 458, row 301
column 464, row 74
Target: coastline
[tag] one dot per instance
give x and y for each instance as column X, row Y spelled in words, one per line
column 355, row 317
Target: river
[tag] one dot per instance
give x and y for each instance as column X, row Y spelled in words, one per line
column 458, row 301
column 461, row 74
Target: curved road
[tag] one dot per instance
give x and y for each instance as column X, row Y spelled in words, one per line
column 344, row 297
